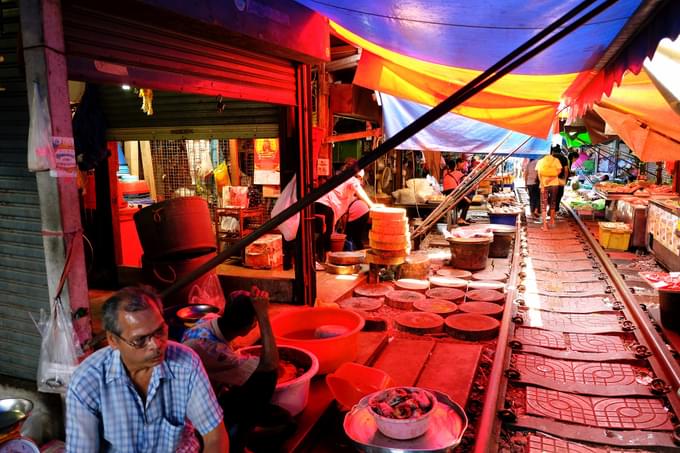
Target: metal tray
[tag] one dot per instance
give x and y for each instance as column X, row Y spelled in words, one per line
column 447, row 426
column 342, row 269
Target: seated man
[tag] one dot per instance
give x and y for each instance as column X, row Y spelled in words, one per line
column 244, row 384
column 142, row 393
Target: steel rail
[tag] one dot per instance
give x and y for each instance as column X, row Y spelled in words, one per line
column 489, row 424
column 513, row 60
column 666, row 367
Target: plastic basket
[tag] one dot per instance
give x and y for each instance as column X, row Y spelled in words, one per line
column 504, row 219
column 614, row 235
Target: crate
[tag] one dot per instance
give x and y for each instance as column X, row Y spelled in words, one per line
column 503, row 219
column 614, row 235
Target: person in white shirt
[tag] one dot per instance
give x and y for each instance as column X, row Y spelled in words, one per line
column 533, row 188
column 334, row 204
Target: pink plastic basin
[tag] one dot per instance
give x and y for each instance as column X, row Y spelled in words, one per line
column 292, row 395
column 328, row 333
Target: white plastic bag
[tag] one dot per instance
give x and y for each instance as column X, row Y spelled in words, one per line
column 59, row 349
column 207, row 291
column 287, row 198
column 40, row 149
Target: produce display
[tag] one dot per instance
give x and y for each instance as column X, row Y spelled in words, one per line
column 638, row 188
column 402, row 403
column 503, row 203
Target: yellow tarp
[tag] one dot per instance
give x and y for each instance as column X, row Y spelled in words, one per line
column 522, row 103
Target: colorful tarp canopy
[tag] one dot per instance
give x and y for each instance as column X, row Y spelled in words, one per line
column 663, row 71
column 454, row 132
column 425, row 50
column 641, row 115
column 576, row 139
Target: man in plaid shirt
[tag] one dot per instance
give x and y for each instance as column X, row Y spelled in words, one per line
column 142, row 393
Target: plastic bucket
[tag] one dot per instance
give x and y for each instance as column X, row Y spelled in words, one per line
column 338, row 242
column 301, row 327
column 503, row 219
column 174, row 227
column 669, row 310
column 503, row 236
column 469, row 253
column 292, row 395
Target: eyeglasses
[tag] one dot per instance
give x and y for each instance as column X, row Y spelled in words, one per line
column 142, row 342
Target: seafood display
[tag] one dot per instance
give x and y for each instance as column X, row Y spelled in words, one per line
column 402, row 403
column 287, row 371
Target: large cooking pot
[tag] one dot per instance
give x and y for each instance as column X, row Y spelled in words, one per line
column 178, row 226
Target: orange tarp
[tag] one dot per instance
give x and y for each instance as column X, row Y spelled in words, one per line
column 522, row 103
column 643, row 119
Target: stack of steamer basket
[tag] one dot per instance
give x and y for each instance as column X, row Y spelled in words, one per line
column 389, row 237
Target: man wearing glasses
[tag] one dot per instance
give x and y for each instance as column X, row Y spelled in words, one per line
column 142, row 393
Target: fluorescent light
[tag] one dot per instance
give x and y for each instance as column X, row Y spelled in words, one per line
column 125, row 87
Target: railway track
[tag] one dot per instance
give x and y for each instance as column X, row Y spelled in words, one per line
column 579, row 366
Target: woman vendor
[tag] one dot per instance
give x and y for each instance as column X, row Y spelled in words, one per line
column 334, row 204
column 453, row 175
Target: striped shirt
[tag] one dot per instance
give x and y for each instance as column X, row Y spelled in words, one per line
column 104, row 411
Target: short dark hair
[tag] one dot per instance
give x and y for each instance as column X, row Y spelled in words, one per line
column 555, row 149
column 129, row 299
column 238, row 313
column 350, row 162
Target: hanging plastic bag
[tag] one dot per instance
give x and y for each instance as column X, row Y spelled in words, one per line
column 287, row 198
column 40, row 149
column 221, row 175
column 229, row 224
column 59, row 349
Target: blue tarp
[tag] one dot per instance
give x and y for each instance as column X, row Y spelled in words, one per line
column 454, row 132
column 476, row 34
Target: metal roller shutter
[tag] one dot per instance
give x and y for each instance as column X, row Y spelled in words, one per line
column 106, row 48
column 23, row 280
column 182, row 115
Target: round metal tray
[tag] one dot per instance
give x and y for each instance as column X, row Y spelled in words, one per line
column 342, row 270
column 447, row 426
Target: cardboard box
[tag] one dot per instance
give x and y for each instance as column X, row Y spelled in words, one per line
column 265, row 253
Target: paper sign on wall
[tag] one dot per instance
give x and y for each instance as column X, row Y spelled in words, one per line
column 266, row 165
column 64, row 157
